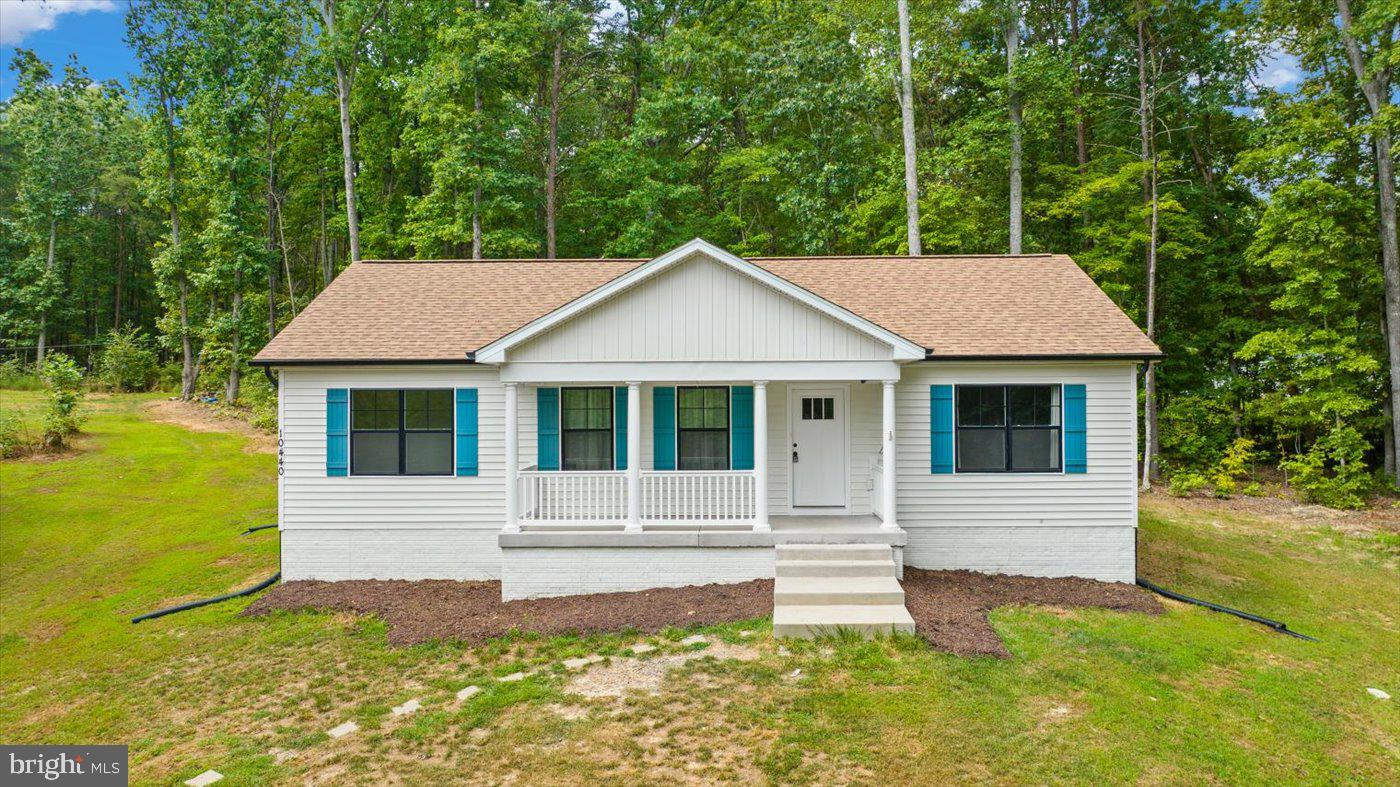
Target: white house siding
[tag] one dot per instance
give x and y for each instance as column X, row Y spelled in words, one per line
column 1039, row 524
column 537, row 572
column 701, row 311
column 408, row 527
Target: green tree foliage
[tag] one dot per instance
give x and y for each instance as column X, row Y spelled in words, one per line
column 63, row 380
column 206, row 204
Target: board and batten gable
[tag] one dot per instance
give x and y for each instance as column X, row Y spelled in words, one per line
column 1037, row 524
column 391, row 527
column 701, row 310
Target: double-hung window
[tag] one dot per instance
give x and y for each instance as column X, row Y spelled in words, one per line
column 702, row 436
column 588, row 428
column 1008, row 428
column 401, row 432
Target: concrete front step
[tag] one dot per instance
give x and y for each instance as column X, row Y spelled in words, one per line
column 835, row 568
column 835, row 552
column 840, row 591
column 809, row 621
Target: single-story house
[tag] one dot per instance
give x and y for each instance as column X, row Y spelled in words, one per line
column 597, row 425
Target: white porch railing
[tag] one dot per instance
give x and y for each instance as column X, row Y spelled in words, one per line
column 877, row 485
column 698, row 496
column 573, row 497
column 600, row 497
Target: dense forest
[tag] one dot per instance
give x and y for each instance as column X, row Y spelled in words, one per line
column 263, row 146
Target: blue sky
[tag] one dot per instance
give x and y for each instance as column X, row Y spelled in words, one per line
column 94, row 29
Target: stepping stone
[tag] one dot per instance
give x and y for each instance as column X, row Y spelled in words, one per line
column 468, row 692
column 204, row 779
column 406, row 708
column 582, row 661
column 280, row 755
column 343, row 730
column 513, row 677
column 1378, row 694
column 642, row 647
column 695, row 639
column 746, row 633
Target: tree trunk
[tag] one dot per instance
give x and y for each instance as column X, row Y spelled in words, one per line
column 42, row 343
column 552, row 157
column 1149, row 186
column 906, row 106
column 120, row 275
column 347, row 151
column 235, row 363
column 271, row 245
column 1081, row 133
column 187, row 371
column 1377, row 90
column 476, row 188
column 1013, row 105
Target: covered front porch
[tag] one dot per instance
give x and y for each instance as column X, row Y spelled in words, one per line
column 826, row 436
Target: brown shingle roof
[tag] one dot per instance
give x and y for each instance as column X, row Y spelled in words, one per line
column 1029, row 305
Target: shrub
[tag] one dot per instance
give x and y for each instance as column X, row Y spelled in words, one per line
column 13, row 441
column 1195, row 433
column 18, row 377
column 1184, row 483
column 258, row 395
column 128, row 363
column 64, row 380
column 1233, row 467
column 1333, row 472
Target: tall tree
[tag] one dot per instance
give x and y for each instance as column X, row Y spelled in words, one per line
column 1012, row 33
column 906, row 108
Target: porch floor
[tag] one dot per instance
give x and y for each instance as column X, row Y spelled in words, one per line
column 786, row 529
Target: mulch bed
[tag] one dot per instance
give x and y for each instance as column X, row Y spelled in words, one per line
column 473, row 611
column 949, row 607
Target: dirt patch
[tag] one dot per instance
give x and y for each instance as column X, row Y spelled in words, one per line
column 1285, row 512
column 208, row 418
column 622, row 676
column 473, row 611
column 950, row 607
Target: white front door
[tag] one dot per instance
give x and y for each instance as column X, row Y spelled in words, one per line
column 818, row 447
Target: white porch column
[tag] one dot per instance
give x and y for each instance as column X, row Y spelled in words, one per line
column 634, row 457
column 760, row 456
column 887, row 458
column 512, row 460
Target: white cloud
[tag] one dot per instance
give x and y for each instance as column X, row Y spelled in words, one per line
column 19, row 18
column 1279, row 68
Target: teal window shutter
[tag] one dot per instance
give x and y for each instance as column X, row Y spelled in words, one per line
column 620, row 427
column 1076, row 438
column 741, row 417
column 940, row 428
column 466, row 429
column 663, row 427
column 337, row 431
column 547, row 438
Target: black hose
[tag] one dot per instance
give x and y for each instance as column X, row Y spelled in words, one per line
column 205, row 602
column 1281, row 628
column 256, row 528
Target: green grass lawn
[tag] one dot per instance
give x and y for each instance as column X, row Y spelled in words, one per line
column 145, row 514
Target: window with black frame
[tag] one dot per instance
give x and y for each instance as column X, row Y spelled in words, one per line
column 587, row 417
column 702, row 434
column 1008, row 428
column 401, row 432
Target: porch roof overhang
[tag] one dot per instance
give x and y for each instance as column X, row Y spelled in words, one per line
column 496, row 352
column 694, row 371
